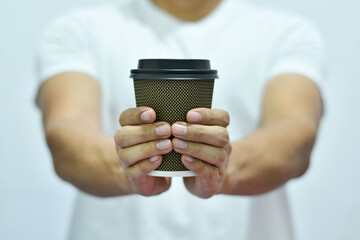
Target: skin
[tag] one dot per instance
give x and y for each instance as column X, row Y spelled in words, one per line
column 188, row 10
column 83, row 155
column 102, row 165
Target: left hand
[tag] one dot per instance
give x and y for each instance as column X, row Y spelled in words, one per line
column 205, row 148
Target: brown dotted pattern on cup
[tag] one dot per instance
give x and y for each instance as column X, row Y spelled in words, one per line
column 171, row 100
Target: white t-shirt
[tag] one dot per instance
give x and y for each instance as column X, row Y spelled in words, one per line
column 248, row 45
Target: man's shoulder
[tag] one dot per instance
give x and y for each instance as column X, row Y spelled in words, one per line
column 272, row 23
column 96, row 14
column 92, row 13
column 273, row 18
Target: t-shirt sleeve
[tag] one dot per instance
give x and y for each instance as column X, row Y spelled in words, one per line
column 65, row 47
column 299, row 50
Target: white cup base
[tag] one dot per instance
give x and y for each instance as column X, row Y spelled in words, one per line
column 156, row 173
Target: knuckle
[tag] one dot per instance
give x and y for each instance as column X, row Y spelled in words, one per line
column 195, row 149
column 123, row 158
column 201, row 167
column 200, row 132
column 221, row 156
column 143, row 134
column 131, row 176
column 119, row 140
column 127, row 115
column 226, row 135
column 228, row 148
column 149, row 148
column 207, row 179
column 226, row 119
column 143, row 167
column 223, row 136
column 122, row 118
column 146, row 132
column 212, row 116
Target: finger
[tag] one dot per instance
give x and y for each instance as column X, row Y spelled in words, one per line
column 228, row 148
column 206, row 183
column 143, row 168
column 212, row 135
column 199, row 167
column 208, row 116
column 132, row 135
column 210, row 154
column 135, row 116
column 131, row 155
column 144, row 184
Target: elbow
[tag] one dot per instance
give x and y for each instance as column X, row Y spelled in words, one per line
column 304, row 157
column 54, row 142
column 61, row 170
column 302, row 168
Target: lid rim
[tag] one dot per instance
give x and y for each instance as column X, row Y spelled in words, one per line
column 174, row 69
column 175, row 76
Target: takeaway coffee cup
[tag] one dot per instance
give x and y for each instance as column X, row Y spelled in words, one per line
column 172, row 87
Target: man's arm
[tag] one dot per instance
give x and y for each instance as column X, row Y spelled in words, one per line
column 82, row 154
column 89, row 159
column 275, row 153
column 280, row 149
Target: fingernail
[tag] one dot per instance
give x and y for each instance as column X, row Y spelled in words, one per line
column 194, row 116
column 178, row 129
column 163, row 130
column 189, row 159
column 163, row 145
column 145, row 116
column 179, row 144
column 154, row 158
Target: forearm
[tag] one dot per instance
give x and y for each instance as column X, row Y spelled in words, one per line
column 86, row 158
column 270, row 156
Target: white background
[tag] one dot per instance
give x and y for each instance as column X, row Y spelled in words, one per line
column 35, row 204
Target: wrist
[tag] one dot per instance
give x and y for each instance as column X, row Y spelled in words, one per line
column 87, row 159
column 123, row 184
column 252, row 170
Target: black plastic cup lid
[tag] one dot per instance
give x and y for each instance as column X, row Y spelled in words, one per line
column 194, row 69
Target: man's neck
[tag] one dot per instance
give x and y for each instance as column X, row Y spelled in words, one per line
column 188, row 10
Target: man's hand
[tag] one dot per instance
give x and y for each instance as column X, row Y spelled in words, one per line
column 204, row 143
column 280, row 148
column 140, row 144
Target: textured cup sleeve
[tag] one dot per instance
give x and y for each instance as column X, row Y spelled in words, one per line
column 300, row 51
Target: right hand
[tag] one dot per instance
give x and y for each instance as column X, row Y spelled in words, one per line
column 140, row 144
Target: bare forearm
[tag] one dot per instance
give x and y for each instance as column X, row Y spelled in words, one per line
column 87, row 159
column 270, row 156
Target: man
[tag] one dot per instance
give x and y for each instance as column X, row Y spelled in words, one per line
column 269, row 64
